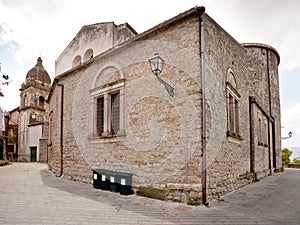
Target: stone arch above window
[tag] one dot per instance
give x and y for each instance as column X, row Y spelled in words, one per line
column 231, row 78
column 107, row 100
column 107, row 76
column 233, row 112
column 88, row 54
column 76, row 61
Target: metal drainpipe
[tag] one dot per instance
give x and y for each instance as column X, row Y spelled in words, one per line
column 201, row 11
column 61, row 129
column 251, row 135
column 270, row 111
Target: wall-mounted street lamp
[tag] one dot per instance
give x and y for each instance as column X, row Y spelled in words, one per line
column 290, row 134
column 33, row 116
column 156, row 64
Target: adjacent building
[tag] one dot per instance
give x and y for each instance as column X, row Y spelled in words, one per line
column 12, row 134
column 208, row 124
column 33, row 115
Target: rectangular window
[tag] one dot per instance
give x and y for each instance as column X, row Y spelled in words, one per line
column 236, row 119
column 233, row 116
column 108, row 114
column 231, row 113
column 259, row 132
column 100, row 115
column 266, row 144
column 262, row 130
column 115, row 113
column 107, row 111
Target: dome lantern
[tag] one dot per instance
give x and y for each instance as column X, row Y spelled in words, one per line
column 38, row 73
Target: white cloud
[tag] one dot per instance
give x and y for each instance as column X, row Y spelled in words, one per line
column 269, row 22
column 32, row 28
column 291, row 119
column 46, row 27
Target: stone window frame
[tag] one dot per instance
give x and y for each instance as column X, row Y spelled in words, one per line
column 24, row 101
column 105, row 126
column 266, row 139
column 233, row 107
column 262, row 129
column 105, row 92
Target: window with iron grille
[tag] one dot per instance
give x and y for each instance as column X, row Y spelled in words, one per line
column 100, row 116
column 107, row 101
column 233, row 115
column 115, row 113
column 233, row 111
column 108, row 114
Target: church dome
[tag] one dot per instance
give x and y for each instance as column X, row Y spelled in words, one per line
column 38, row 73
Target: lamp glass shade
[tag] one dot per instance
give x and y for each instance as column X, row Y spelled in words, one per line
column 33, row 116
column 156, row 64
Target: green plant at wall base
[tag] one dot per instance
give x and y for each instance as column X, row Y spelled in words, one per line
column 192, row 202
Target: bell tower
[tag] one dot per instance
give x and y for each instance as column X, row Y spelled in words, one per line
column 33, row 121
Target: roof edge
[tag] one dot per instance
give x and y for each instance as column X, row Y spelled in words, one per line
column 162, row 25
column 142, row 35
column 260, row 45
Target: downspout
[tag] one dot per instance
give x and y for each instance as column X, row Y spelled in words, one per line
column 61, row 129
column 270, row 111
column 201, row 11
column 269, row 143
column 271, row 116
column 251, row 135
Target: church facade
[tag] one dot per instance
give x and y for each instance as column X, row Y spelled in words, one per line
column 33, row 115
column 208, row 124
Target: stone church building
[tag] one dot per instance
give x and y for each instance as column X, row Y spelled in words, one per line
column 33, row 115
column 205, row 125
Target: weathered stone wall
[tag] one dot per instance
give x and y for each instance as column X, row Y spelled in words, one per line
column 228, row 159
column 160, row 137
column 263, row 65
column 74, row 166
column 43, row 149
column 54, row 156
column 160, row 145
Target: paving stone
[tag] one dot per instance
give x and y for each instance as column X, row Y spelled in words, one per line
column 32, row 195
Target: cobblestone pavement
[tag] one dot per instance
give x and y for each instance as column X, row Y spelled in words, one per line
column 29, row 194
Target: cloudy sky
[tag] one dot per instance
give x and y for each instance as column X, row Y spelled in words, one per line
column 33, row 28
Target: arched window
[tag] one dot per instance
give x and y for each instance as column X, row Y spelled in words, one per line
column 108, row 103
column 23, row 102
column 88, row 55
column 76, row 61
column 41, row 101
column 233, row 99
